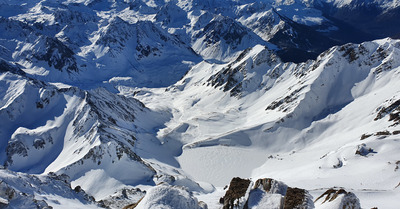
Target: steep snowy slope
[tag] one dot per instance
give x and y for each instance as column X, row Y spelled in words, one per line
column 138, row 50
column 70, row 131
column 257, row 113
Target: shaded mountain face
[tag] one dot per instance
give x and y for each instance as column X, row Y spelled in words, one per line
column 370, row 17
column 67, row 129
column 224, row 37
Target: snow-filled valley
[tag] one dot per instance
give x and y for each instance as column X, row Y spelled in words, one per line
column 163, row 104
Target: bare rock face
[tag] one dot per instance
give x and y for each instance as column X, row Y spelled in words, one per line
column 297, row 198
column 272, row 194
column 235, row 196
column 19, row 190
column 338, row 199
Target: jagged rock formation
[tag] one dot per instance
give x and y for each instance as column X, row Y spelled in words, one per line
column 334, row 198
column 264, row 193
column 297, row 198
column 236, row 194
column 88, row 122
column 18, row 190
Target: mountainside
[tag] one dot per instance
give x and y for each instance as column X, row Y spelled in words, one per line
column 68, row 130
column 199, row 104
column 371, row 17
column 309, row 118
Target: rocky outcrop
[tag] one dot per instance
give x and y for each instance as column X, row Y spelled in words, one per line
column 270, row 193
column 235, row 196
column 392, row 108
column 19, row 190
column 238, row 76
column 297, row 198
column 338, row 199
column 266, row 193
column 55, row 54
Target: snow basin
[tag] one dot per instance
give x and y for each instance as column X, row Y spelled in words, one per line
column 207, row 164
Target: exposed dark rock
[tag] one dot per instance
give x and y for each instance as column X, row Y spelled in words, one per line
column 237, row 189
column 351, row 53
column 58, row 55
column 382, row 133
column 383, row 111
column 339, row 164
column 397, row 165
column 39, row 143
column 77, row 189
column 347, row 200
column 15, row 148
column 364, row 136
column 331, row 194
column 297, row 198
column 7, row 67
column 288, row 99
column 229, row 78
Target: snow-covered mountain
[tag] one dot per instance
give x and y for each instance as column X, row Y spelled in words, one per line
column 69, row 130
column 162, row 104
column 223, row 38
